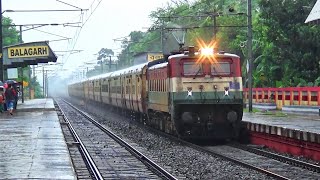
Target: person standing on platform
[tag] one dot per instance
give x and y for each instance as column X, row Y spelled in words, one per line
column 10, row 98
column 2, row 100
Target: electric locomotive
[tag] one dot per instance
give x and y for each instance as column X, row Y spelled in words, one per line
column 201, row 94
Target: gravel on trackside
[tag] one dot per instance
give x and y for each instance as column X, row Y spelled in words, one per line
column 181, row 161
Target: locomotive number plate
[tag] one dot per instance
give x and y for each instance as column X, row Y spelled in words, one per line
column 234, row 85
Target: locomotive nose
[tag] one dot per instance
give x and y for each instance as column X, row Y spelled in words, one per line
column 232, row 116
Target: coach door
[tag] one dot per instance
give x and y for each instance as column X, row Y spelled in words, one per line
column 137, row 95
column 131, row 91
column 92, row 90
column 109, row 91
column 100, row 89
column 122, row 84
column 144, row 99
column 97, row 90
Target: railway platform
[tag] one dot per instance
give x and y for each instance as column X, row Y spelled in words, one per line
column 32, row 145
column 294, row 121
column 310, row 110
column 296, row 134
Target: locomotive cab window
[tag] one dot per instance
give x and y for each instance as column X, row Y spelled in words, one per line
column 221, row 69
column 191, row 68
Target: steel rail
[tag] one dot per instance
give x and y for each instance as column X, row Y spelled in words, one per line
column 202, row 149
column 144, row 159
column 89, row 161
column 208, row 151
column 285, row 159
column 269, row 173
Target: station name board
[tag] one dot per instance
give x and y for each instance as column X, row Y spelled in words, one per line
column 152, row 57
column 28, row 51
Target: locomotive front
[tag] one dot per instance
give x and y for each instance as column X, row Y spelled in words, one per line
column 206, row 94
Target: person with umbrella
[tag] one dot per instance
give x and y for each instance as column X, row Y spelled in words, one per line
column 10, row 98
column 2, row 99
column 14, row 86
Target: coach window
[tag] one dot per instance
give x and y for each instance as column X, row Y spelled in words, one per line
column 151, row 85
column 133, row 89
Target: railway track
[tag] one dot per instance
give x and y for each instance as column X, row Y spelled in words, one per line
column 80, row 166
column 271, row 164
column 92, row 167
column 106, row 154
column 267, row 165
column 276, row 167
column 285, row 159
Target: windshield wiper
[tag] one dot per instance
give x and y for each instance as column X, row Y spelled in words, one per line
column 197, row 72
column 214, row 69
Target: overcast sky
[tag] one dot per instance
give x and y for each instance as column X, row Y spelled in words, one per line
column 110, row 20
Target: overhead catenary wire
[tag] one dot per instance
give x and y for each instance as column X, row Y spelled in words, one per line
column 51, row 33
column 69, row 4
column 99, row 2
column 77, row 34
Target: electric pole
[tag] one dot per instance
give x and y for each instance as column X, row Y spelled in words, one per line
column 1, row 56
column 109, row 63
column 43, row 87
column 215, row 49
column 249, row 45
column 21, row 68
column 101, row 66
column 214, row 25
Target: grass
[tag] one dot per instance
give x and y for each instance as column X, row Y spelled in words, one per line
column 254, row 110
column 266, row 112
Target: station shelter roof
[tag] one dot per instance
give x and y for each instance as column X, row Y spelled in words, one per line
column 314, row 15
column 32, row 53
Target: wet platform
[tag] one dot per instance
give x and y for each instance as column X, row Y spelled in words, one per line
column 310, row 110
column 301, row 126
column 302, row 122
column 32, row 145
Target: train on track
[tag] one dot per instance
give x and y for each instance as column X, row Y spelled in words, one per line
column 194, row 94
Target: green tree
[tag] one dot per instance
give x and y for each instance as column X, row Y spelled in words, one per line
column 290, row 47
column 9, row 32
column 103, row 57
column 284, row 48
column 102, row 61
column 138, row 42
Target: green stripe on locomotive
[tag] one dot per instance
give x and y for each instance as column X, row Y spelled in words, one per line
column 218, row 97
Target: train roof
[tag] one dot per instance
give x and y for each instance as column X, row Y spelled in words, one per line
column 197, row 54
column 105, row 75
column 157, row 66
column 116, row 73
column 138, row 67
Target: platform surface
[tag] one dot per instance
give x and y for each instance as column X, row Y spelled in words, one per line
column 32, row 145
column 303, row 122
